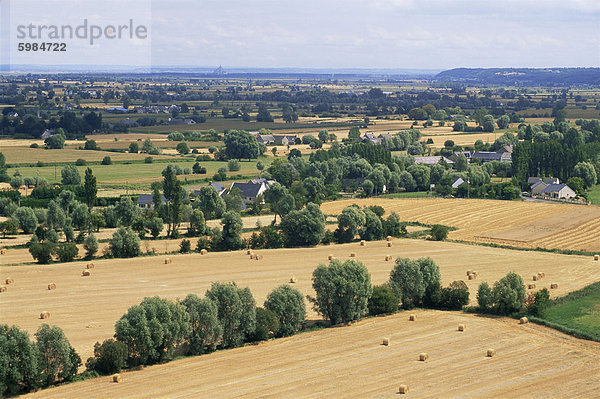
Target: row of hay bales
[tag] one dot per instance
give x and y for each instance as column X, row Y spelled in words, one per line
column 52, row 286
column 472, row 274
column 8, row 281
column 424, row 356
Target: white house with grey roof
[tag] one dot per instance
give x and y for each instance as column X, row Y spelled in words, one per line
column 558, row 191
column 146, row 202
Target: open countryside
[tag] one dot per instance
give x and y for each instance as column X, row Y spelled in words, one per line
column 304, row 201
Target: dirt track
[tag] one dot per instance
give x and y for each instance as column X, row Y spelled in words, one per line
column 88, row 307
column 520, row 224
column 350, row 362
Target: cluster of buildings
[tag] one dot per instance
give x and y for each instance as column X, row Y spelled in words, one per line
column 249, row 192
column 549, row 188
column 504, row 154
column 276, row 139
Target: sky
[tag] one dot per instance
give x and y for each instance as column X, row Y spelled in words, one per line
column 370, row 34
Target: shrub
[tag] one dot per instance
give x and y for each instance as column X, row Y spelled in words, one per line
column 509, row 294
column 70, row 176
column 343, row 290
column 203, row 243
column 58, row 361
column 80, row 162
column 233, row 165
column 185, row 246
column 455, row 296
column 109, row 357
column 124, row 244
column 439, row 232
column 90, row 244
column 19, row 361
column 484, row 297
column 42, row 251
column 26, row 219
column 155, row 225
column 267, row 325
column 67, row 251
column 383, row 300
column 540, row 303
column 236, row 312
column 288, row 304
column 148, row 160
column 206, row 330
column 106, row 160
column 152, row 329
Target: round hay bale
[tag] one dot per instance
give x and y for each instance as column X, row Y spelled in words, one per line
column 469, row 272
column 249, row 252
column 293, row 280
column 412, row 317
column 3, row 288
column 352, row 255
column 423, row 356
column 389, row 238
column 388, row 258
column 403, row 389
column 462, row 327
column 363, row 243
column 51, row 286
column 90, row 266
column 389, row 244
column 44, row 315
column 85, row 273
column 530, row 286
column 596, row 257
column 116, row 378
column 203, row 251
column 9, row 281
column 523, row 320
column 472, row 276
column 491, row 352
column 386, row 342
column 535, row 277
column 168, row 261
column 330, row 257
column 3, row 251
column 553, row 286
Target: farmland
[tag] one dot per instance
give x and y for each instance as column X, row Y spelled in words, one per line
column 531, row 361
column 86, row 308
column 141, row 174
column 520, row 224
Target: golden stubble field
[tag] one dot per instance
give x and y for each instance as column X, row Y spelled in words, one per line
column 350, row 362
column 521, row 224
column 88, row 307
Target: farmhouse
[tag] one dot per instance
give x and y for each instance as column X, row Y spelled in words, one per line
column 558, row 191
column 145, row 201
column 285, row 140
column 487, row 156
column 265, row 138
column 538, row 187
column 249, row 191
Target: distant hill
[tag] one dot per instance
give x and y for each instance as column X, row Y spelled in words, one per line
column 524, row 76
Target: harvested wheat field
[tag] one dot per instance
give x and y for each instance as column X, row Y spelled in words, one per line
column 351, row 362
column 521, row 224
column 86, row 308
